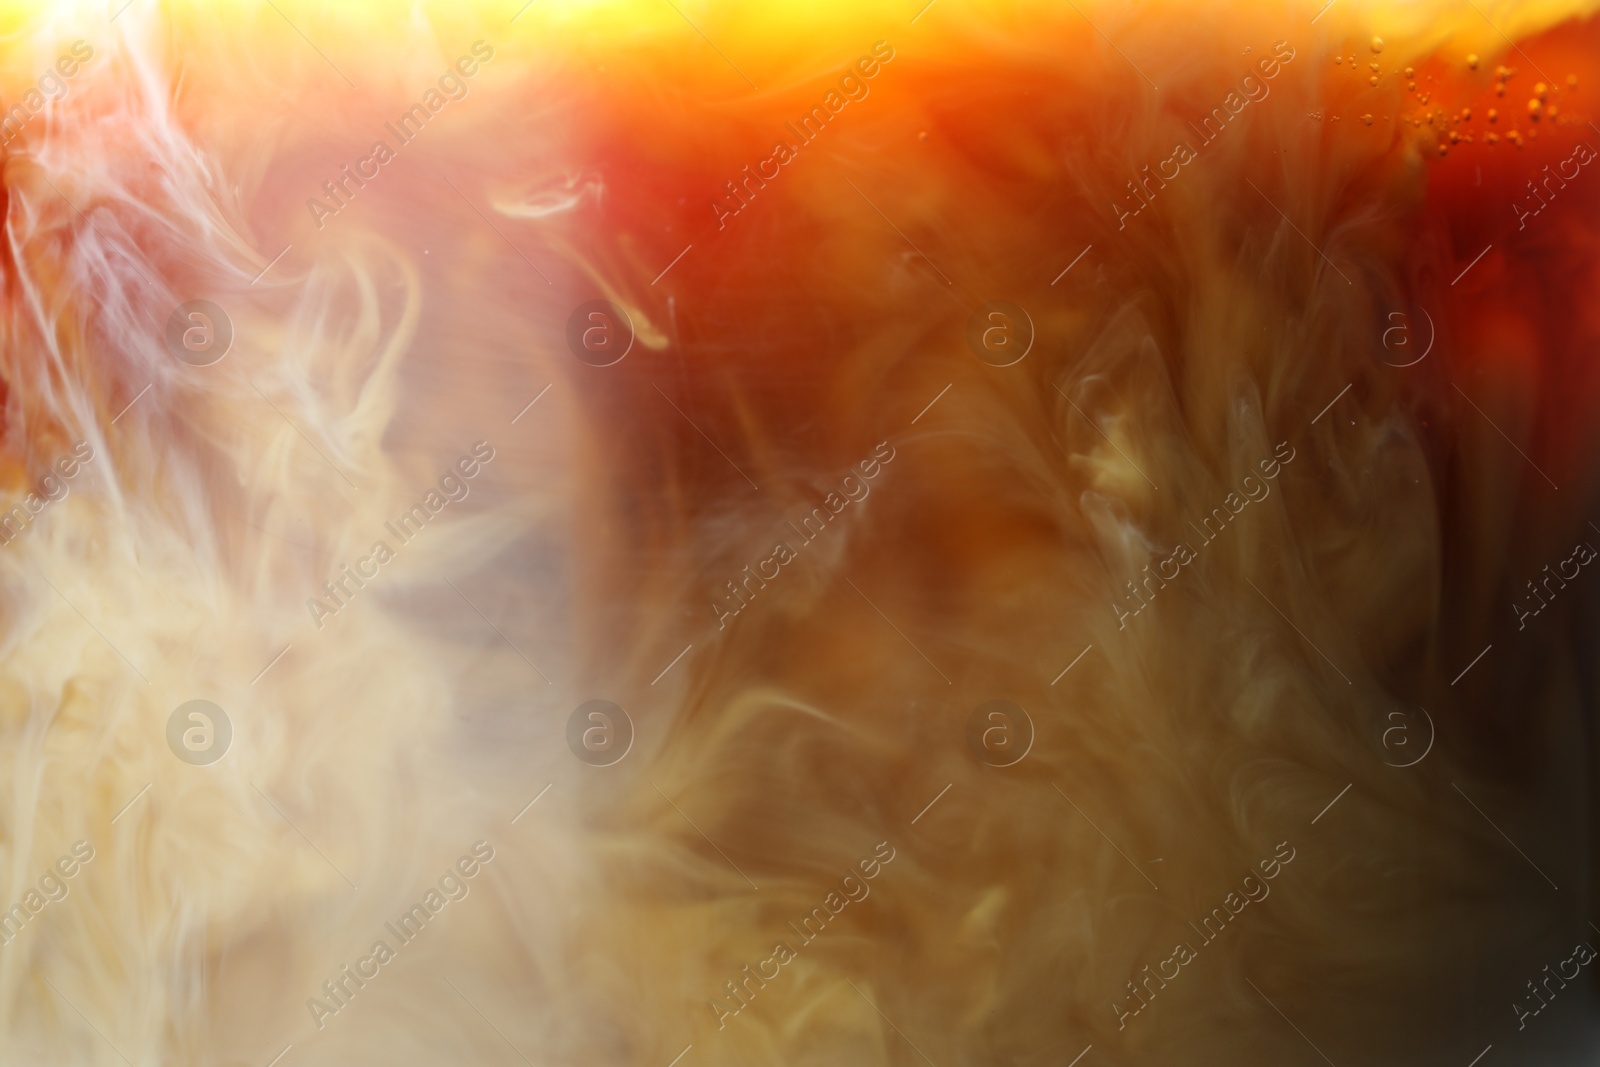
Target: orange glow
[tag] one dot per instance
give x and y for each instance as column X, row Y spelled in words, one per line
column 683, row 534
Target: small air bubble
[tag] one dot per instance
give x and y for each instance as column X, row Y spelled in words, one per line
column 1472, row 61
column 1338, row 61
column 1494, row 116
column 1367, row 119
column 1373, row 80
column 1377, row 44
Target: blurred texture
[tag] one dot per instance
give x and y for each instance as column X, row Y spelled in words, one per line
column 799, row 533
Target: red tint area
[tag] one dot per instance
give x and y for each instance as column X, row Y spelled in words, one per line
column 1523, row 182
